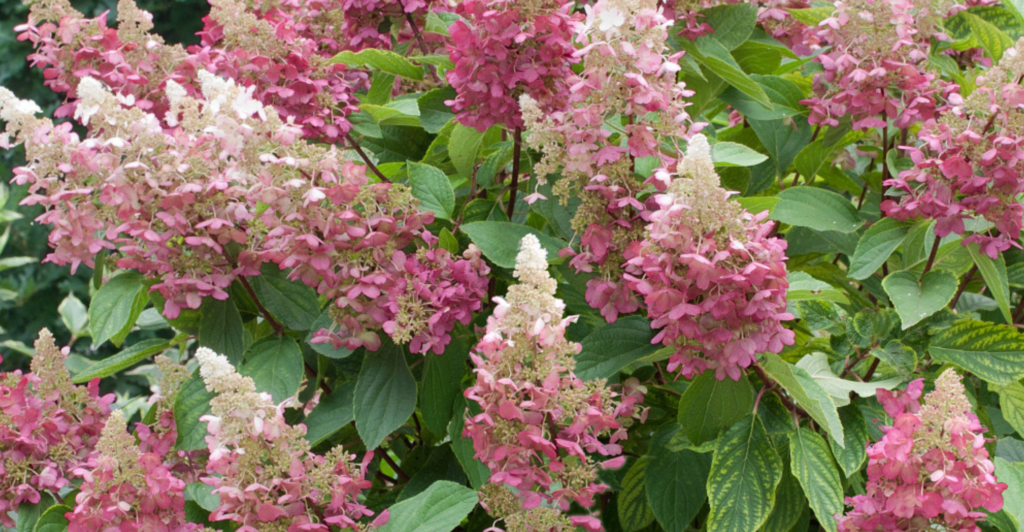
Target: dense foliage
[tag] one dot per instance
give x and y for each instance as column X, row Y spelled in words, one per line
column 513, row 265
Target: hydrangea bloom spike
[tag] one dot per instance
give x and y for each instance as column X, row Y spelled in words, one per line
column 712, row 278
column 931, row 469
column 540, row 423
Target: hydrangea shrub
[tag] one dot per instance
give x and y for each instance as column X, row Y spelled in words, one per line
column 525, row 266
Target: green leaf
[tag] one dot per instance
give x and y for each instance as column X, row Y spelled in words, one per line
column 855, row 429
column 634, row 512
column 115, row 307
column 812, row 16
column 875, row 246
column 385, row 394
column 476, row 471
column 432, row 187
column 434, row 113
column 221, row 329
column 676, row 487
column 709, row 405
column 733, row 154
column 813, row 466
column 203, row 495
column 807, row 393
column 1011, row 402
column 440, row 22
column 916, row 300
column 991, row 38
column 440, row 508
column 733, row 24
column 381, row 60
column 990, row 351
column 1012, row 474
column 294, row 304
column 123, row 360
column 463, row 147
column 275, row 365
column 53, row 520
column 499, row 241
column 784, row 142
column 816, row 208
column 996, row 279
column 901, row 358
column 609, row 349
column 191, row 403
column 29, row 514
column 74, row 315
column 804, row 287
column 716, row 58
column 331, row 414
column 816, row 365
column 442, row 379
column 744, row 474
column 325, row 321
column 790, row 505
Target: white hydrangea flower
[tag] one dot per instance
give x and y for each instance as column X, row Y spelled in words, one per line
column 215, row 89
column 13, row 109
column 219, row 375
column 91, row 95
column 698, row 163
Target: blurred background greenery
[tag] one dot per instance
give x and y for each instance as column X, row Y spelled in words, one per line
column 34, row 294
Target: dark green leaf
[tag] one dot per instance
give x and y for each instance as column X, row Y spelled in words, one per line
column 676, row 487
column 380, row 60
column 609, row 349
column 123, row 360
column 191, row 403
column 385, row 394
column 221, row 329
column 442, row 378
column 294, row 304
column 875, row 246
column 275, row 365
column 499, row 241
column 634, row 512
column 115, row 307
column 816, row 208
column 331, row 414
column 852, row 456
column 813, row 466
column 709, row 405
column 993, row 352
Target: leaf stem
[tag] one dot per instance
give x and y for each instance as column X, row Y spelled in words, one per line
column 517, row 149
column 931, row 258
column 355, row 146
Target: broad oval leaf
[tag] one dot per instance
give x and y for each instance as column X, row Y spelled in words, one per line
column 292, row 303
column 709, row 405
column 915, row 299
column 432, row 187
column 191, row 403
column 442, row 378
column 733, row 154
column 817, row 209
column 1011, row 401
column 613, row 347
column 440, row 508
column 875, row 246
column 745, row 471
column 807, row 393
column 53, row 520
column 115, row 307
column 996, row 279
column 676, row 487
column 275, row 365
column 221, row 329
column 331, row 414
column 385, row 394
column 499, row 241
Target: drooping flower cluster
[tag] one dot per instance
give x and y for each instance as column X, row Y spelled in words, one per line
column 364, row 19
column 282, row 54
column 232, row 187
column 628, row 71
column 540, row 423
column 874, row 71
column 931, row 469
column 127, row 490
column 970, row 164
column 507, row 48
column 262, row 468
column 713, row 280
column 48, row 427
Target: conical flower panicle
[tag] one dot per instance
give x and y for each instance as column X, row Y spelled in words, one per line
column 540, row 425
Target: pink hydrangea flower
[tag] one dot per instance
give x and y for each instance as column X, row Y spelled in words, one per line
column 542, row 430
column 48, row 427
column 930, row 469
column 713, row 280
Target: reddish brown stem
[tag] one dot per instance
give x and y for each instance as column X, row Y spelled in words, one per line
column 355, row 146
column 931, row 258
